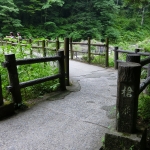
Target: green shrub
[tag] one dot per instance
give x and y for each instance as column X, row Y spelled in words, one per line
column 143, row 107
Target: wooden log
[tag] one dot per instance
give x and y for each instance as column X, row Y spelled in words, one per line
column 127, row 96
column 89, row 50
column 62, row 71
column 66, row 49
column 107, row 53
column 43, row 48
column 71, row 48
column 116, row 57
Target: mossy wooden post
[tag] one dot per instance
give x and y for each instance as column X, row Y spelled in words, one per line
column 62, row 70
column 1, row 95
column 127, row 96
column 107, row 53
column 71, row 48
column 89, row 50
column 66, row 50
column 14, row 87
column 30, row 43
column 43, row 48
column 57, row 44
column 116, row 57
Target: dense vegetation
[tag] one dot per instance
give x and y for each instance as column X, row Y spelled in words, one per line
column 120, row 20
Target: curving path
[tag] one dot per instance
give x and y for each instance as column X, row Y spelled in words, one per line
column 74, row 120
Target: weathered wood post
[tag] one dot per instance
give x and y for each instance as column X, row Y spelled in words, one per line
column 66, row 50
column 57, row 44
column 62, row 70
column 30, row 43
column 1, row 95
column 14, row 87
column 116, row 57
column 127, row 96
column 107, row 53
column 137, row 50
column 71, row 48
column 133, row 58
column 43, row 48
column 89, row 50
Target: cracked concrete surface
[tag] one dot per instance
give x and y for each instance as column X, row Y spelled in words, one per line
column 73, row 120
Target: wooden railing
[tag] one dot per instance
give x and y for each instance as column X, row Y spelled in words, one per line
column 117, row 52
column 11, row 64
column 44, row 46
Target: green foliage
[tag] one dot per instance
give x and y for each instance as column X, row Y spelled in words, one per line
column 126, row 21
column 145, row 44
column 98, row 59
column 143, row 106
column 111, row 60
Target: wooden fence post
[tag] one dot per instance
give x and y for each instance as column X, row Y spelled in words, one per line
column 133, row 58
column 116, row 57
column 89, row 50
column 30, row 43
column 127, row 96
column 62, row 70
column 66, row 50
column 57, row 44
column 14, row 87
column 107, row 53
column 137, row 50
column 71, row 48
column 43, row 48
column 1, row 95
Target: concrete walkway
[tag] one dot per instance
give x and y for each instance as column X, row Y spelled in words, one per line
column 74, row 120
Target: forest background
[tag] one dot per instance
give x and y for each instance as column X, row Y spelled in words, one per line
column 120, row 20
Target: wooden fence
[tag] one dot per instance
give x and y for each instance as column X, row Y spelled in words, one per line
column 118, row 52
column 102, row 49
column 11, row 64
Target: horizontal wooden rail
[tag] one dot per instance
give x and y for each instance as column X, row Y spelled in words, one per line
column 32, row 60
column 36, row 81
column 124, row 51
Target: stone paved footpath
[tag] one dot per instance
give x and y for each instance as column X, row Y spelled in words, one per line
column 73, row 120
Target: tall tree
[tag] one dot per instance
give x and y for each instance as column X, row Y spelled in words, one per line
column 8, row 16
